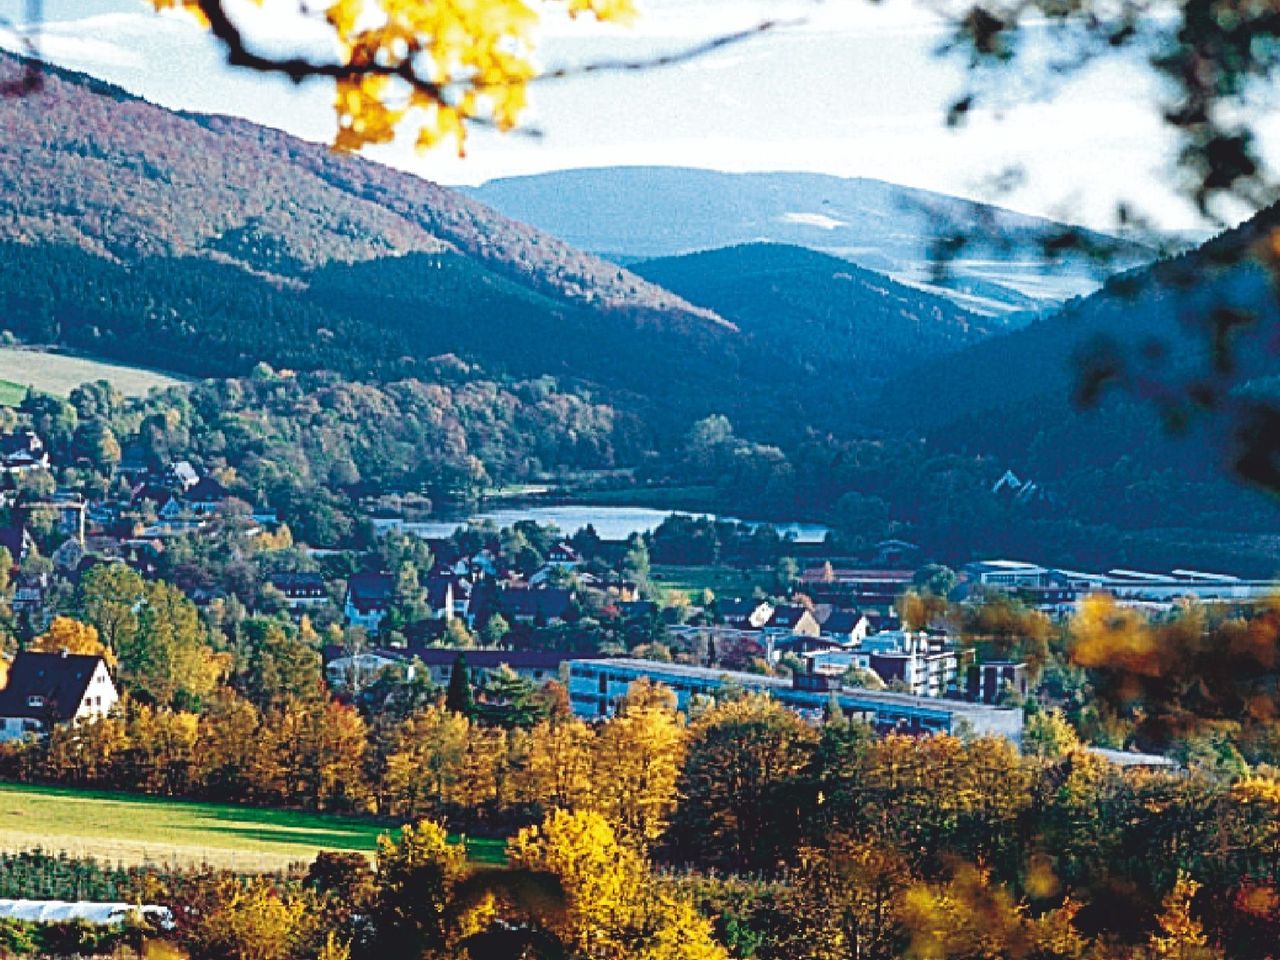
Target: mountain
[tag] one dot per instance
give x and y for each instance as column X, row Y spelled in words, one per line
column 83, row 163
column 1017, row 397
column 817, row 314
column 665, row 211
column 203, row 245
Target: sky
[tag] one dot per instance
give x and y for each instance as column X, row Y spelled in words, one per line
column 850, row 88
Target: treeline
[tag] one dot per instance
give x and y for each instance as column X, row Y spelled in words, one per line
column 313, row 445
column 796, row 841
column 1095, row 515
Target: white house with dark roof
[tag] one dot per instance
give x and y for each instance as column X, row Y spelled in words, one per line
column 22, row 452
column 45, row 689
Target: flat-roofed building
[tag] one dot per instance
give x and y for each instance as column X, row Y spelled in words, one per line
column 597, row 685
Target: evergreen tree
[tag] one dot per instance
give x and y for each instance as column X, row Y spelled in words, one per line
column 459, row 697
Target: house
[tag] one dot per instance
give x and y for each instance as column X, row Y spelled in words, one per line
column 206, row 496
column 368, row 600
column 536, row 666
column 22, row 452
column 65, row 510
column 17, row 540
column 1013, row 488
column 1006, row 574
column 29, row 592
column 181, row 475
column 896, row 553
column 448, row 597
column 921, row 664
column 521, row 604
column 563, row 554
column 791, row 618
column 597, row 686
column 343, row 667
column 851, row 587
column 744, row 614
column 45, row 689
column 302, row 590
column 845, row 626
column 346, row 669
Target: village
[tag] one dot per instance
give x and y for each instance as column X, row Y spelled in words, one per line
column 546, row 604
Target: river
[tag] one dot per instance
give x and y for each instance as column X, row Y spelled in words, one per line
column 612, row 523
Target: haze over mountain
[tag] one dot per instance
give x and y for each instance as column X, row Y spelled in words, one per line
column 643, row 212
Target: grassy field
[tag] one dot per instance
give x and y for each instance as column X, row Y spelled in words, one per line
column 59, row 373
column 123, row 828
column 725, row 582
column 11, row 394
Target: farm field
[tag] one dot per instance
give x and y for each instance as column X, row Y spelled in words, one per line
column 11, row 394
column 60, row 373
column 724, row 582
column 129, row 829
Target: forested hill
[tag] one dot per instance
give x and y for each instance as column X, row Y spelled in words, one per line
column 817, row 313
column 84, row 164
column 203, row 245
column 1016, row 397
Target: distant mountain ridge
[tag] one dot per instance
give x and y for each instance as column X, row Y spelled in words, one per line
column 891, row 229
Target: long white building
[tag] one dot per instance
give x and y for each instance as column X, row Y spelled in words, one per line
column 597, row 685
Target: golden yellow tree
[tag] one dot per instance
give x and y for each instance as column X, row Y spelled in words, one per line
column 433, row 765
column 252, row 920
column 1180, row 935
column 638, row 758
column 321, row 744
column 615, row 909
column 417, row 874
column 421, row 66
column 70, row 635
column 969, row 917
column 557, row 774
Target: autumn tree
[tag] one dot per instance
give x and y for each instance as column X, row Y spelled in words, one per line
column 845, row 900
column 638, row 755
column 740, row 800
column 614, row 909
column 417, row 873
column 71, row 636
column 251, row 919
column 558, row 772
column 1180, row 936
column 320, row 747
